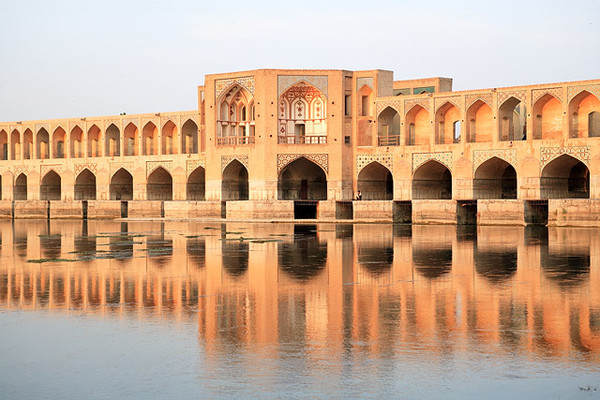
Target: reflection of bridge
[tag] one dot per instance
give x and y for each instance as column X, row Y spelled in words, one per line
column 261, row 140
column 422, row 283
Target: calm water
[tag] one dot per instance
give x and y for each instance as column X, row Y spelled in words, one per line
column 179, row 310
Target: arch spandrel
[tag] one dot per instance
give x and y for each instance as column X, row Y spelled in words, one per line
column 574, row 91
column 440, row 103
column 481, row 156
column 322, row 160
column 418, row 159
column 386, row 160
column 549, row 154
column 226, row 160
column 152, row 166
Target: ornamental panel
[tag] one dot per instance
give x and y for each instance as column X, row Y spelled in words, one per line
column 192, row 165
column 320, row 159
column 44, row 169
column 573, row 91
column 419, row 159
column 20, row 169
column 152, row 165
column 409, row 104
column 91, row 166
column 225, row 160
column 115, row 166
column 360, row 82
column 538, row 93
column 247, row 82
column 383, row 104
column 481, row 156
column 517, row 94
column 387, row 160
column 487, row 98
column 547, row 154
column 454, row 100
column 284, row 82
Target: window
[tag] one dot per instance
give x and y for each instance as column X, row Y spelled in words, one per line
column 365, row 106
column 300, row 130
column 347, row 105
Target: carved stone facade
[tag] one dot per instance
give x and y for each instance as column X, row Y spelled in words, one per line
column 419, row 159
column 387, row 160
column 320, row 159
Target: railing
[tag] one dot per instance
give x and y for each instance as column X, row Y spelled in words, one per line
column 388, row 140
column 298, row 139
column 234, row 140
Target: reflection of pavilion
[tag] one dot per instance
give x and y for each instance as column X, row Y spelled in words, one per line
column 511, row 287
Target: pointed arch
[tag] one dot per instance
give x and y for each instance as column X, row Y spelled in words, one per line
column 159, row 185
column 512, row 124
column 43, row 144
column 93, row 141
column 20, row 187
column 189, row 137
column 112, row 142
column 15, row 149
column 547, row 118
column 418, row 126
column 131, row 142
column 234, row 183
column 76, row 142
column 233, row 112
column 580, row 108
column 565, row 177
column 388, row 124
column 121, row 185
column 195, row 187
column 302, row 115
column 432, row 180
column 58, row 143
column 169, row 138
column 480, row 122
column 302, row 179
column 495, row 179
column 50, row 188
column 27, row 144
column 446, row 118
column 85, row 185
column 3, row 144
column 375, row 182
column 365, row 96
column 149, row 139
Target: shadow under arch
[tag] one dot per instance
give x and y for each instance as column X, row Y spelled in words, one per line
column 565, row 177
column 432, row 180
column 121, row 185
column 234, row 185
column 375, row 182
column 302, row 179
column 495, row 179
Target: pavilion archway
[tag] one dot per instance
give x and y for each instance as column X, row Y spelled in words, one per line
column 43, row 144
column 113, row 141
column 584, row 116
column 432, row 180
column 189, row 137
column 121, row 185
column 480, row 125
column 58, row 143
column 50, row 187
column 375, row 182
column 447, row 124
column 234, row 184
column 302, row 179
column 565, row 177
column 20, row 187
column 196, row 185
column 547, row 118
column 159, row 185
column 418, row 126
column 512, row 120
column 495, row 179
column 85, row 186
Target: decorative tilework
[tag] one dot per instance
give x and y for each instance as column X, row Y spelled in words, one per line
column 538, row 93
column 518, row 94
column 419, row 159
column 115, row 166
column 481, row 156
column 247, row 82
column 573, row 91
column 487, row 98
column 360, row 82
column 80, row 167
column 164, row 120
column 225, row 160
column 152, row 165
column 155, row 121
column 114, row 122
column 440, row 101
column 284, row 159
column 194, row 117
column 46, row 126
column 382, row 105
column 15, row 127
column 20, row 169
column 409, row 104
column 127, row 121
column 387, row 160
column 44, row 169
column 286, row 81
column 192, row 165
column 547, row 154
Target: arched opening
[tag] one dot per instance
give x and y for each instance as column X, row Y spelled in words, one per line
column 302, row 115
column 565, row 177
column 594, row 124
column 195, row 187
column 479, row 123
column 58, row 143
column 445, row 118
column 76, row 142
column 234, row 184
column 417, row 126
column 15, row 151
column 4, row 144
column 302, row 180
column 50, row 187
column 375, row 182
column 131, row 141
column 27, row 144
column 495, row 179
column 43, row 144
column 547, row 118
column 305, row 257
column 513, row 122
column 169, row 135
column 388, row 124
column 580, row 108
column 121, row 186
column 113, row 141
column 365, row 95
column 93, row 142
column 189, row 137
column 159, row 185
column 432, row 180
column 85, row 186
column 20, row 188
column 149, row 139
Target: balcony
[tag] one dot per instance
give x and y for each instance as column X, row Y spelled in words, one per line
column 302, row 139
column 388, row 140
column 235, row 140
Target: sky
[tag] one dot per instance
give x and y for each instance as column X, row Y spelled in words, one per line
column 62, row 59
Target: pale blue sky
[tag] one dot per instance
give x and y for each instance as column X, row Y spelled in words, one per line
column 64, row 58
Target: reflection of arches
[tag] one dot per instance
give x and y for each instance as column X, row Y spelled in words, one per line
column 50, row 187
column 195, row 187
column 113, row 141
column 479, row 122
column 196, row 251
column 432, row 262
column 417, row 126
column 305, row 257
column 20, row 188
column 432, row 180
column 234, row 184
column 85, row 186
column 388, row 123
column 302, row 179
column 495, row 266
column 376, row 260
column 375, row 182
column 159, row 185
column 235, row 257
column 121, row 185
column 189, row 137
column 565, row 177
column 547, row 118
column 580, row 108
column 495, row 179
column 512, row 122
column 445, row 119
column 566, row 270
